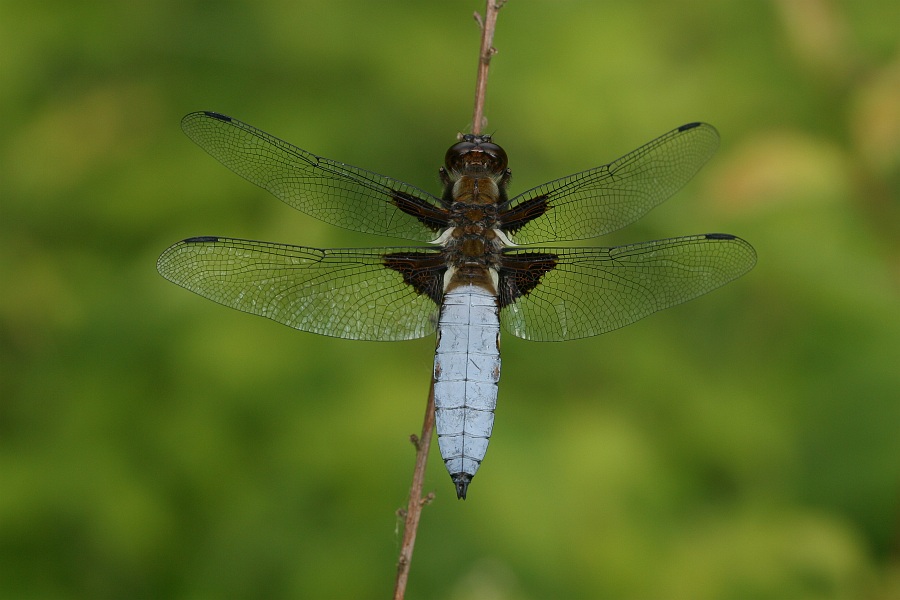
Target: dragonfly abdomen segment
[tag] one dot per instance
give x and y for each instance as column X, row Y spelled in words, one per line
column 466, row 373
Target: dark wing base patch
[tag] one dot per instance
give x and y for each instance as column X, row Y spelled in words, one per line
column 521, row 273
column 428, row 215
column 423, row 271
column 517, row 217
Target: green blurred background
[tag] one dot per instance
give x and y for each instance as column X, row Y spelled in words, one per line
column 156, row 445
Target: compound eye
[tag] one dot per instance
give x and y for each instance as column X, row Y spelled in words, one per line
column 455, row 154
column 497, row 154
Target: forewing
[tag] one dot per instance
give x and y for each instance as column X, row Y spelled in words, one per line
column 579, row 292
column 328, row 190
column 346, row 293
column 601, row 200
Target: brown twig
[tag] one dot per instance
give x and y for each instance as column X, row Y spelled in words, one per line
column 423, row 443
column 484, row 59
column 414, row 508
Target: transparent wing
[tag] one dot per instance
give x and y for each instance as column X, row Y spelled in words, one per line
column 346, row 293
column 333, row 192
column 588, row 291
column 601, row 200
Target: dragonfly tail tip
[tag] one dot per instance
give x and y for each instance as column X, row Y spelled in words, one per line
column 461, row 480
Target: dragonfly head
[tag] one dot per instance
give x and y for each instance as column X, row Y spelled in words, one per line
column 476, row 153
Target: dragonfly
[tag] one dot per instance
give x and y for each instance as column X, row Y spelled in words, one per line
column 475, row 268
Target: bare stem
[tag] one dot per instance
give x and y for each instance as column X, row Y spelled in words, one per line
column 488, row 24
column 416, row 502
